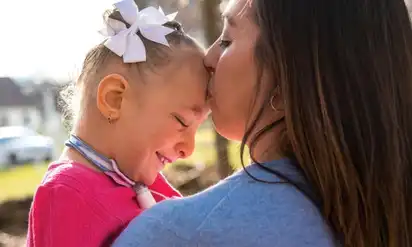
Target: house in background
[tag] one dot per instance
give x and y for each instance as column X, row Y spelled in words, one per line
column 34, row 105
column 17, row 107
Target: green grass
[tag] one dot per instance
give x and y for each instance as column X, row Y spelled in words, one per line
column 22, row 181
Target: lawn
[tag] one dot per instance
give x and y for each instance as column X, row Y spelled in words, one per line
column 21, row 181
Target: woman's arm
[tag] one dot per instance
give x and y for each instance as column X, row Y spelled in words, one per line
column 148, row 231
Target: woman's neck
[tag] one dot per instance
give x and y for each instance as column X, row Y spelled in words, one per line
column 269, row 147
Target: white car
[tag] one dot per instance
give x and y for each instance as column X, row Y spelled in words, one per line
column 20, row 145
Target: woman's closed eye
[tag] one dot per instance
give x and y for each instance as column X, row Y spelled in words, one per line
column 224, row 43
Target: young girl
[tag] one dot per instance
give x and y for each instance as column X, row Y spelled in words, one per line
column 142, row 98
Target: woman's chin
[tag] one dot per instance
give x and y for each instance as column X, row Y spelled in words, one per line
column 227, row 131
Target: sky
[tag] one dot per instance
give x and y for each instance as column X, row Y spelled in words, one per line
column 48, row 38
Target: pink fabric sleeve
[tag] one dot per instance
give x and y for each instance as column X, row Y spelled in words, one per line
column 61, row 217
column 162, row 186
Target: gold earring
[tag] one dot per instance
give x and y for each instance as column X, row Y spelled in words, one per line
column 110, row 119
column 271, row 103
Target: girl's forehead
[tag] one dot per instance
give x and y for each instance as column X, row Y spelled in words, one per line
column 190, row 86
column 189, row 75
column 192, row 65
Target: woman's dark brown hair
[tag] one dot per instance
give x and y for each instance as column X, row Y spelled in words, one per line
column 345, row 73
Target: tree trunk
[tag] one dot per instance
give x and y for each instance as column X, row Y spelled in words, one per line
column 211, row 18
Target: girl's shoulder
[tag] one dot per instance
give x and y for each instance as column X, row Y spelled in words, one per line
column 72, row 174
column 73, row 186
column 93, row 187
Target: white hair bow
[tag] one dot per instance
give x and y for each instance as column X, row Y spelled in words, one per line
column 125, row 42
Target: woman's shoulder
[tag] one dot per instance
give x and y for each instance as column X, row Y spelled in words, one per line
column 174, row 222
column 238, row 211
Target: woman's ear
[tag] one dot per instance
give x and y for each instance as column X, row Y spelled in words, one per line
column 110, row 94
column 276, row 100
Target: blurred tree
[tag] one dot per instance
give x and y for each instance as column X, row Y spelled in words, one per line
column 211, row 25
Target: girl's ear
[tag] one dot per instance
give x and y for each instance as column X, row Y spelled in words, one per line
column 110, row 94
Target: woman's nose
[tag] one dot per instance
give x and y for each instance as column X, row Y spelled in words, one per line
column 211, row 58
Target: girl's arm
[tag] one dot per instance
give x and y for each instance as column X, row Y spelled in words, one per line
column 161, row 188
column 60, row 216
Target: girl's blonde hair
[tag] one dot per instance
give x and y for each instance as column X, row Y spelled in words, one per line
column 98, row 58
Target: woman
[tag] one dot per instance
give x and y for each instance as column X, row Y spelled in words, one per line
column 321, row 93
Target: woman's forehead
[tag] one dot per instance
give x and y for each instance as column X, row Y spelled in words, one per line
column 237, row 11
column 235, row 8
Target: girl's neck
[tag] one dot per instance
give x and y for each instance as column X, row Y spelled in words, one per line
column 94, row 138
column 69, row 154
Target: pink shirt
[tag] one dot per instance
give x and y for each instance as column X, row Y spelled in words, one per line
column 77, row 206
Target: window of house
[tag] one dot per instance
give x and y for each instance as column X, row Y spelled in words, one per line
column 26, row 118
column 4, row 121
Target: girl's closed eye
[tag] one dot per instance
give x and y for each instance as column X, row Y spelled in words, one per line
column 181, row 121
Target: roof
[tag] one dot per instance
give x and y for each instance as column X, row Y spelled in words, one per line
column 12, row 95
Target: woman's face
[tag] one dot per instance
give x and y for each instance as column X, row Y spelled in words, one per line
column 231, row 59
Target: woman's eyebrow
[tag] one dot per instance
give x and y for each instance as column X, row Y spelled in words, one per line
column 229, row 18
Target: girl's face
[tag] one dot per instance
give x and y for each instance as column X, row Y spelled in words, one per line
column 159, row 117
column 231, row 58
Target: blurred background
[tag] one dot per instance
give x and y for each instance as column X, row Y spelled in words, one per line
column 42, row 45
